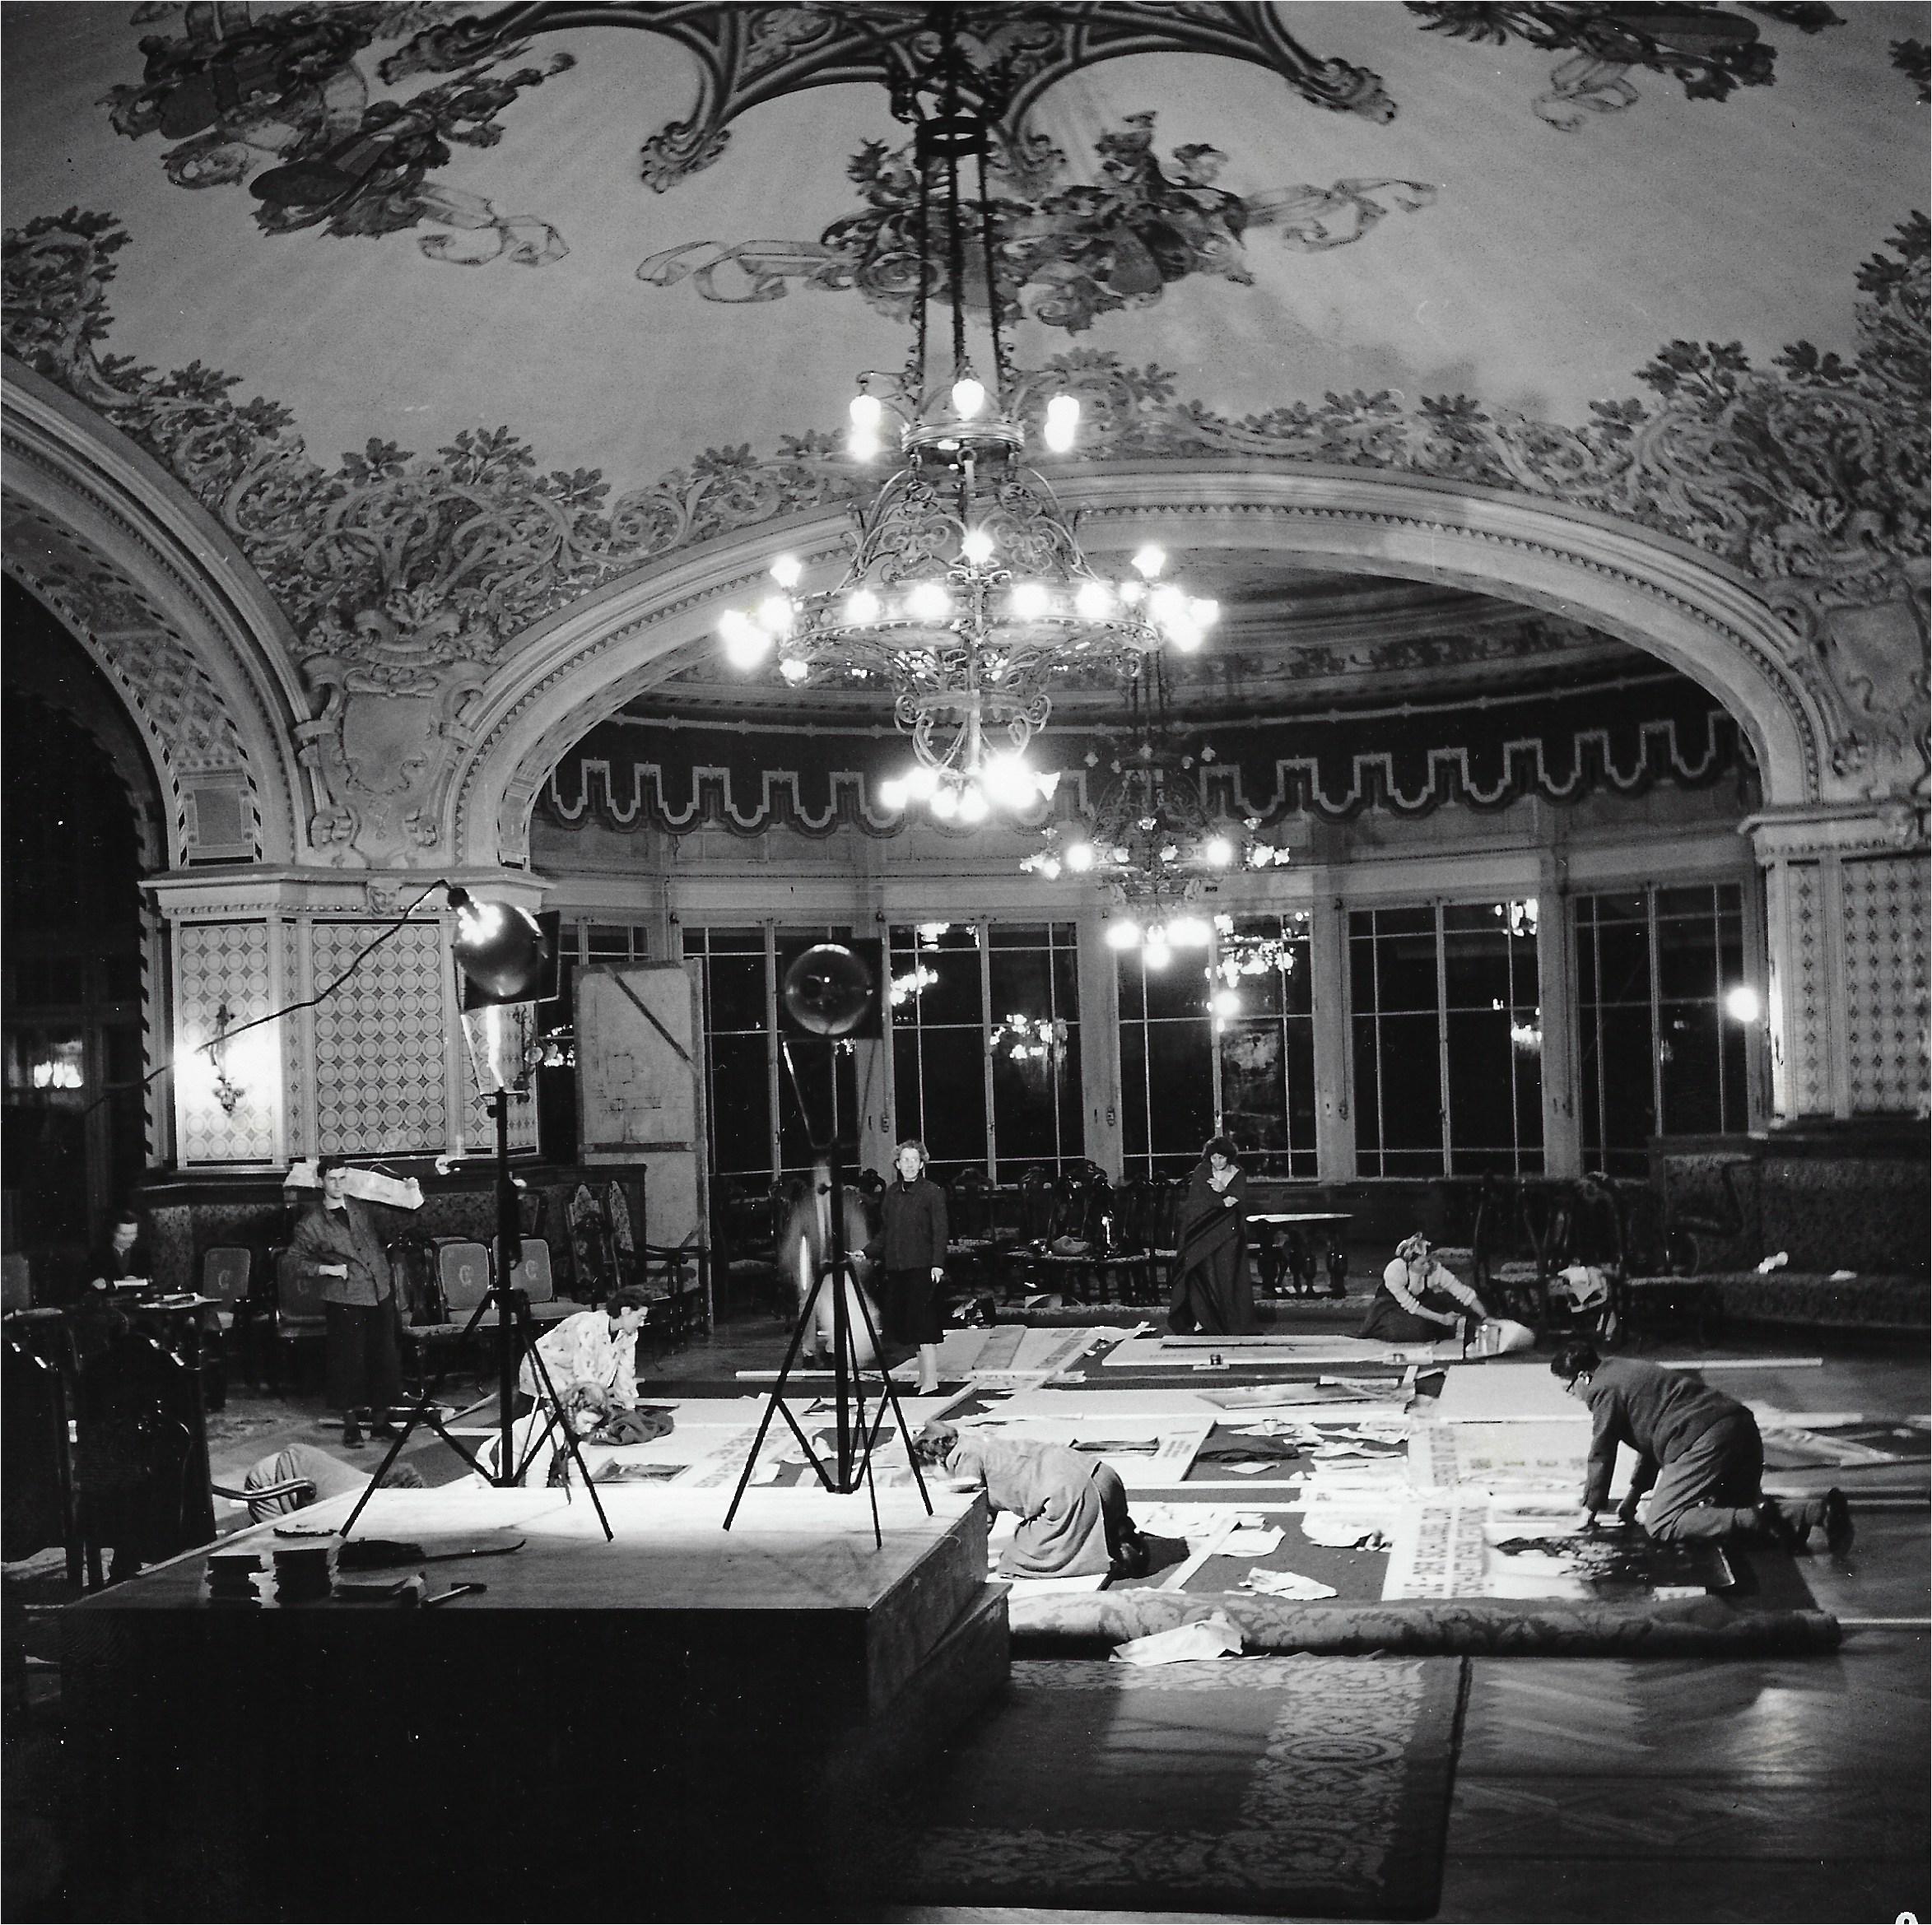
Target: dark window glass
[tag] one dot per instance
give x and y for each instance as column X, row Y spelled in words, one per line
column 741, row 1105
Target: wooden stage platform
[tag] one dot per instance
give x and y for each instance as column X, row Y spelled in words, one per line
column 677, row 1724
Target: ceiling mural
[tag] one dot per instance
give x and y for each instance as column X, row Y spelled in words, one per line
column 1656, row 262
column 1059, row 257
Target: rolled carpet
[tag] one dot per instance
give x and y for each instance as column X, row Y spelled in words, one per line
column 1424, row 1626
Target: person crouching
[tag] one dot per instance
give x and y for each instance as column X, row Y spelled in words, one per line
column 1073, row 1521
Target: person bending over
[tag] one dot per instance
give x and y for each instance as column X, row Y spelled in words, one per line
column 337, row 1242
column 911, row 1248
column 1699, row 1457
column 1211, row 1293
column 1073, row 1520
column 1418, row 1301
column 592, row 1357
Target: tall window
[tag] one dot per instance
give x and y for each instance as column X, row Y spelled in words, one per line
column 1220, row 1038
column 1263, row 1009
column 985, row 1025
column 1659, row 1052
column 1448, row 1040
column 756, row 1130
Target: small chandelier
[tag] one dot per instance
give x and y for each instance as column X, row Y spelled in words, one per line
column 1151, row 840
column 967, row 594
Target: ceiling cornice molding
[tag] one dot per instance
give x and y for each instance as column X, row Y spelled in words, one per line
column 1659, row 594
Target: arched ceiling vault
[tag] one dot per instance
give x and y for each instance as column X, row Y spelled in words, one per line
column 476, row 356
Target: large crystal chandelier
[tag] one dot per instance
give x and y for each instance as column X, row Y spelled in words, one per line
column 967, row 594
column 1150, row 838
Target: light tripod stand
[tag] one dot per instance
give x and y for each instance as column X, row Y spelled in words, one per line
column 516, row 1339
column 826, row 990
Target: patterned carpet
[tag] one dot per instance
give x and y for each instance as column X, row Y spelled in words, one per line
column 1301, row 1785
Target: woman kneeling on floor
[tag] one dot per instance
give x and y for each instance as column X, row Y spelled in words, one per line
column 1073, row 1521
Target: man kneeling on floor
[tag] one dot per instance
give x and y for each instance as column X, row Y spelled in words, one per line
column 1700, row 1450
column 1071, row 1510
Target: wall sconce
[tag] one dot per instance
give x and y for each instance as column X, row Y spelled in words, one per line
column 226, row 1093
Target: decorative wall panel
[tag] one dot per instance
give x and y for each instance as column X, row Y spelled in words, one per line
column 217, row 964
column 1807, row 1089
column 1885, row 982
column 380, row 1041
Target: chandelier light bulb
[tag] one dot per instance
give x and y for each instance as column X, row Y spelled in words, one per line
column 945, row 803
column 1123, row 932
column 786, row 570
column 1157, row 955
column 1094, row 601
column 863, row 609
column 774, row 614
column 867, row 412
column 929, row 602
column 1048, row 781
column 1049, row 867
column 1218, row 850
column 1063, row 422
column 973, row 805
column 891, row 796
column 745, row 645
column 1204, row 611
column 1189, row 932
column 1133, row 592
column 1031, row 601
column 1008, row 781
column 1226, row 1004
column 861, row 446
column 919, row 782
column 968, row 397
column 977, row 545
column 1149, row 561
column 1741, row 1004
column 1080, row 858
column 794, row 668
column 1167, row 605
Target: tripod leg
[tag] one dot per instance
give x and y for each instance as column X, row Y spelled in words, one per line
column 891, row 1398
column 774, row 1402
column 526, row 1331
column 420, row 1414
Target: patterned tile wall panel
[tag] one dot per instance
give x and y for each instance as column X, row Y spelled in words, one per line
column 299, row 1108
column 1885, row 982
column 379, row 1053
column 1807, row 991
column 217, row 963
column 479, row 1128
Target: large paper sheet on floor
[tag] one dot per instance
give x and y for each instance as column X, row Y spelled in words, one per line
column 1507, row 1393
column 1144, row 1450
column 1169, row 1353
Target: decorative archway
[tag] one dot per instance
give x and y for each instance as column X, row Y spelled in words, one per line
column 1662, row 595
column 154, row 591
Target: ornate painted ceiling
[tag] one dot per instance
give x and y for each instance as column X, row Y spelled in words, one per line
column 454, row 318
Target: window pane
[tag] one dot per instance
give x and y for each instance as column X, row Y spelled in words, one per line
column 1368, row 1107
column 1629, row 1111
column 737, row 992
column 1623, row 963
column 1406, row 971
column 951, row 1067
column 1180, row 989
column 1021, row 983
column 1411, row 1081
column 741, row 1114
column 1025, row 1110
column 1688, row 1049
column 1180, row 1077
column 1134, row 1091
column 1687, row 958
column 953, row 995
column 1476, row 969
column 1254, row 1090
column 1017, row 936
column 1482, row 1081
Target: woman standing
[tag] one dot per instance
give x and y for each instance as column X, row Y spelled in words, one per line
column 910, row 1246
column 1211, row 1293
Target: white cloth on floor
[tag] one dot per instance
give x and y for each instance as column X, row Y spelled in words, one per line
column 1213, row 1636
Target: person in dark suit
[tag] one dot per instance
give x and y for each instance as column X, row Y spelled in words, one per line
column 1211, row 1293
column 910, row 1246
column 1700, row 1459
column 122, row 1257
column 338, row 1244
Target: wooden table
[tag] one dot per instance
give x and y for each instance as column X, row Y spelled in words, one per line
column 1303, row 1229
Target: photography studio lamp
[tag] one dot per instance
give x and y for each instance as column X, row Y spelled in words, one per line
column 503, row 954
column 828, row 992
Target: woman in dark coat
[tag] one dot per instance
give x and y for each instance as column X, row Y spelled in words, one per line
column 1211, row 1293
column 910, row 1249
